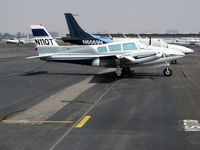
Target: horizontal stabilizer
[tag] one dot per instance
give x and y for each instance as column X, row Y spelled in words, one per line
column 40, row 56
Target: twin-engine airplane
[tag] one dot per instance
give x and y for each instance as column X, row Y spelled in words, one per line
column 122, row 55
column 79, row 36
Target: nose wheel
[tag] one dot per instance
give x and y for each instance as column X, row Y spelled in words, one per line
column 167, row 72
column 126, row 70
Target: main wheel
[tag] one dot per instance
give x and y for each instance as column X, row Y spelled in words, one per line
column 126, row 70
column 119, row 71
column 167, row 72
column 174, row 62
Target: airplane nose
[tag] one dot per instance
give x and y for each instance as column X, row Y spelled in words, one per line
column 171, row 52
column 180, row 48
column 188, row 50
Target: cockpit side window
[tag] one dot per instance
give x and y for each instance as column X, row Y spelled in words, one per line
column 116, row 47
column 129, row 46
column 102, row 49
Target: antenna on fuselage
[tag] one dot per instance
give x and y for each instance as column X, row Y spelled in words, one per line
column 110, row 36
column 124, row 36
column 139, row 36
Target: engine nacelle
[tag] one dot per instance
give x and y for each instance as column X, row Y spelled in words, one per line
column 96, row 62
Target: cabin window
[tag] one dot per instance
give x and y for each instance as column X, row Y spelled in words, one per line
column 129, row 46
column 116, row 47
column 102, row 49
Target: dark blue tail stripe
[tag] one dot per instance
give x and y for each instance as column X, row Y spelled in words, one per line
column 39, row 32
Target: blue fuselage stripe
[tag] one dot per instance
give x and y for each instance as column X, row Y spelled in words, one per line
column 86, row 61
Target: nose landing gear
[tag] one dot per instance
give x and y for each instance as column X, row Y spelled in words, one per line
column 167, row 72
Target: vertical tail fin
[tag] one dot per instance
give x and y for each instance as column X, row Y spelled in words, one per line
column 74, row 29
column 44, row 42
column 42, row 37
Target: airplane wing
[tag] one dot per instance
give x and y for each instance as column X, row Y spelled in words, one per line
column 140, row 58
column 135, row 58
column 40, row 56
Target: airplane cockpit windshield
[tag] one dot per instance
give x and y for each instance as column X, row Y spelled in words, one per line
column 142, row 45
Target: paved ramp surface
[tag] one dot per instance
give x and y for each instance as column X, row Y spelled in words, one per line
column 93, row 110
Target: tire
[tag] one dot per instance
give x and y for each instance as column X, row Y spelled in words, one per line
column 167, row 72
column 174, row 62
column 126, row 70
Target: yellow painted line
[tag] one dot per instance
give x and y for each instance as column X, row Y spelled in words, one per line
column 26, row 121
column 82, row 122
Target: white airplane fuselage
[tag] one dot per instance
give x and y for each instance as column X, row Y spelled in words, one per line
column 121, row 55
column 89, row 55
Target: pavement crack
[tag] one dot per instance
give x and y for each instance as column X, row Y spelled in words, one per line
column 184, row 74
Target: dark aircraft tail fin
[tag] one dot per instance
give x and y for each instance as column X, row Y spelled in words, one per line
column 75, row 30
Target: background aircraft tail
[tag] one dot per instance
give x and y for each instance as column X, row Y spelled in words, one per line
column 75, row 30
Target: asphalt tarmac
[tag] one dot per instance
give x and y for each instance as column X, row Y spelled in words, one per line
column 61, row 106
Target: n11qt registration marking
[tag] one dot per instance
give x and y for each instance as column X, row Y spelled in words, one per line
column 191, row 125
column 44, row 41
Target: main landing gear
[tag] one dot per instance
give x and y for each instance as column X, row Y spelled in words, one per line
column 125, row 71
column 167, row 72
column 122, row 71
column 119, row 71
column 174, row 62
